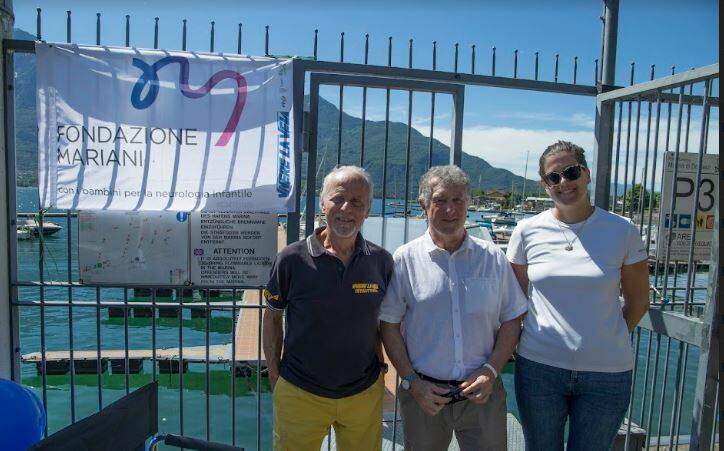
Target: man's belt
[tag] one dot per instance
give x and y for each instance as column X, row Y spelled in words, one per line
column 452, row 383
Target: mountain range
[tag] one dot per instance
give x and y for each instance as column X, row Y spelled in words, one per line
column 482, row 175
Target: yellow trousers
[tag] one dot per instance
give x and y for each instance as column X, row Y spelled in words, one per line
column 302, row 419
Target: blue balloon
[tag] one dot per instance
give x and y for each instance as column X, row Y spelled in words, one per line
column 23, row 417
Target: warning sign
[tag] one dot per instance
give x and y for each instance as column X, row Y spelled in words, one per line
column 232, row 249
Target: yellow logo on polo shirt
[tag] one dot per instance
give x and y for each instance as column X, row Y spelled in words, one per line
column 365, row 287
column 270, row 297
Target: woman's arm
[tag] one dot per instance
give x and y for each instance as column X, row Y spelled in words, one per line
column 635, row 285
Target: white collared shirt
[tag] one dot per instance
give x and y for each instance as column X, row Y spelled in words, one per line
column 451, row 305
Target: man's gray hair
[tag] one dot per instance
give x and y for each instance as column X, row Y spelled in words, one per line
column 346, row 173
column 449, row 175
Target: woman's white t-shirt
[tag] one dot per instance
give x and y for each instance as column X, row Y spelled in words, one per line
column 574, row 318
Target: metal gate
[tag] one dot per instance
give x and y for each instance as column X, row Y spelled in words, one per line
column 34, row 297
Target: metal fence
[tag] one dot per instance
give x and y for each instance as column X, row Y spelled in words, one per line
column 669, row 115
column 48, row 300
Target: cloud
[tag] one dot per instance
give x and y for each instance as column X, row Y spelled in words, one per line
column 575, row 119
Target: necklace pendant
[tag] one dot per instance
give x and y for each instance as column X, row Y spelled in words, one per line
column 569, row 247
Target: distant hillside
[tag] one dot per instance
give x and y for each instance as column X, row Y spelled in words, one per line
column 477, row 168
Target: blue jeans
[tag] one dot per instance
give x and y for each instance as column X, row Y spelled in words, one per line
column 594, row 402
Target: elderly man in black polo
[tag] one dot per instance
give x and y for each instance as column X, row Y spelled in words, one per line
column 331, row 286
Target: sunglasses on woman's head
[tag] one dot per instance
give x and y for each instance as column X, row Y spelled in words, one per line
column 570, row 173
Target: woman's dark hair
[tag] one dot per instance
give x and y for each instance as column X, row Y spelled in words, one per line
column 562, row 146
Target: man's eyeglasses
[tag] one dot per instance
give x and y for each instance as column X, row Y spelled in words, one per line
column 570, row 173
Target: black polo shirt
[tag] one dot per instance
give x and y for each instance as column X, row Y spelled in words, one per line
column 332, row 314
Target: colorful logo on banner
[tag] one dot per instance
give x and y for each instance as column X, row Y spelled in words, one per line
column 149, row 76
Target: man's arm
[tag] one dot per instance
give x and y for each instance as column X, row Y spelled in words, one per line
column 521, row 273
column 272, row 341
column 425, row 393
column 479, row 385
column 635, row 285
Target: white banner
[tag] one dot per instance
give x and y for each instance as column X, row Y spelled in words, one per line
column 133, row 129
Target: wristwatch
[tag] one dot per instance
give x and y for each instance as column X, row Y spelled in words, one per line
column 407, row 381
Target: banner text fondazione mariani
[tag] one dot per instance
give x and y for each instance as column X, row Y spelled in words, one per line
column 100, row 145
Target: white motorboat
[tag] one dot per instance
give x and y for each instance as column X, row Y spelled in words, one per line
column 33, row 226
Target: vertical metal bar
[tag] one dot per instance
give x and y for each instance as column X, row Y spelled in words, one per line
column 633, row 388
column 98, row 28
column 618, row 155
column 38, row 25
column 180, row 318
column 258, row 369
column 575, row 69
column 98, row 349
column 455, row 59
column 153, row 334
column 364, row 106
column 678, row 385
column 555, row 70
column 432, row 103
column 456, row 140
column 238, row 40
column 697, row 189
column 43, row 344
column 206, row 294
column 642, row 192
column 316, row 32
column 535, row 70
column 653, row 180
column 384, row 152
column 183, row 36
column 300, row 121
column 493, row 67
column 677, row 412
column 628, row 146
column 688, row 119
column 707, row 374
column 610, row 32
column 670, row 236
column 126, row 363
column 211, row 44
column 128, row 30
column 663, row 392
column 409, row 142
column 67, row 26
column 645, row 391
column 155, row 33
column 652, row 401
column 312, row 157
column 341, row 103
column 635, row 156
column 71, row 341
column 515, row 63
column 472, row 60
column 233, row 366
column 266, row 40
column 595, row 73
column 603, row 150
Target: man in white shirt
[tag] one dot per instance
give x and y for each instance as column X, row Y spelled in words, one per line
column 450, row 321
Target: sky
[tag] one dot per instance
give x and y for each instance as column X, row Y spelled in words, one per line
column 503, row 126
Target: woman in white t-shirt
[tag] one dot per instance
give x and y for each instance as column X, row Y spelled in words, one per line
column 574, row 358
